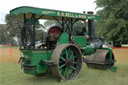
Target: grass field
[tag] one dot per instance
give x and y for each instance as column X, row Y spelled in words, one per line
column 11, row 73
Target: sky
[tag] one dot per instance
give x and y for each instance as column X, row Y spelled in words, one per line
column 64, row 5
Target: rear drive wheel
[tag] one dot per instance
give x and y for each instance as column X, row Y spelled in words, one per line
column 68, row 60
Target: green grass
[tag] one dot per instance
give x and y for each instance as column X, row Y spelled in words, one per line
column 11, row 74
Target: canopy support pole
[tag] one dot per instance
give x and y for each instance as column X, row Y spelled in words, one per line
column 34, row 33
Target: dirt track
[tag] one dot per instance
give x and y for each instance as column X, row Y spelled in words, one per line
column 121, row 54
column 9, row 54
column 13, row 54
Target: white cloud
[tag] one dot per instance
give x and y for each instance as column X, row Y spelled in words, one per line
column 65, row 5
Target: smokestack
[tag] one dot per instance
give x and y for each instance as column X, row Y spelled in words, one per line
column 84, row 12
column 91, row 29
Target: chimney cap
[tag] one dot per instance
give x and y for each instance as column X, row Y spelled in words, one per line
column 90, row 12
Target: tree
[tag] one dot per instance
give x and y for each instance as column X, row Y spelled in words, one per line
column 3, row 34
column 50, row 23
column 15, row 24
column 114, row 19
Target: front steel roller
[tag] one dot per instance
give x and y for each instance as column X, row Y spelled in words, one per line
column 100, row 60
column 68, row 60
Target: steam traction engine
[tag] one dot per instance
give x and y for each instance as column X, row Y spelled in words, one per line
column 62, row 50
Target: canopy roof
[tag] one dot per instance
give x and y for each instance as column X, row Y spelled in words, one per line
column 48, row 13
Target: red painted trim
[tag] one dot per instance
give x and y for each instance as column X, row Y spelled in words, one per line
column 74, row 43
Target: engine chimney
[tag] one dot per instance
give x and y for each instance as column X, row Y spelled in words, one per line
column 91, row 29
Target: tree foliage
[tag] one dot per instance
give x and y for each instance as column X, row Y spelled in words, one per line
column 3, row 34
column 114, row 19
column 15, row 24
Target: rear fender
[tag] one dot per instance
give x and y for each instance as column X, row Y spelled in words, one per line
column 63, row 39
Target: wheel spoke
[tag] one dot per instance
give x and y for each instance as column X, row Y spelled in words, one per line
column 70, row 71
column 69, row 52
column 62, row 58
column 61, row 66
column 73, row 67
column 62, row 71
column 72, row 54
column 74, row 57
column 74, row 62
column 66, row 71
column 66, row 53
